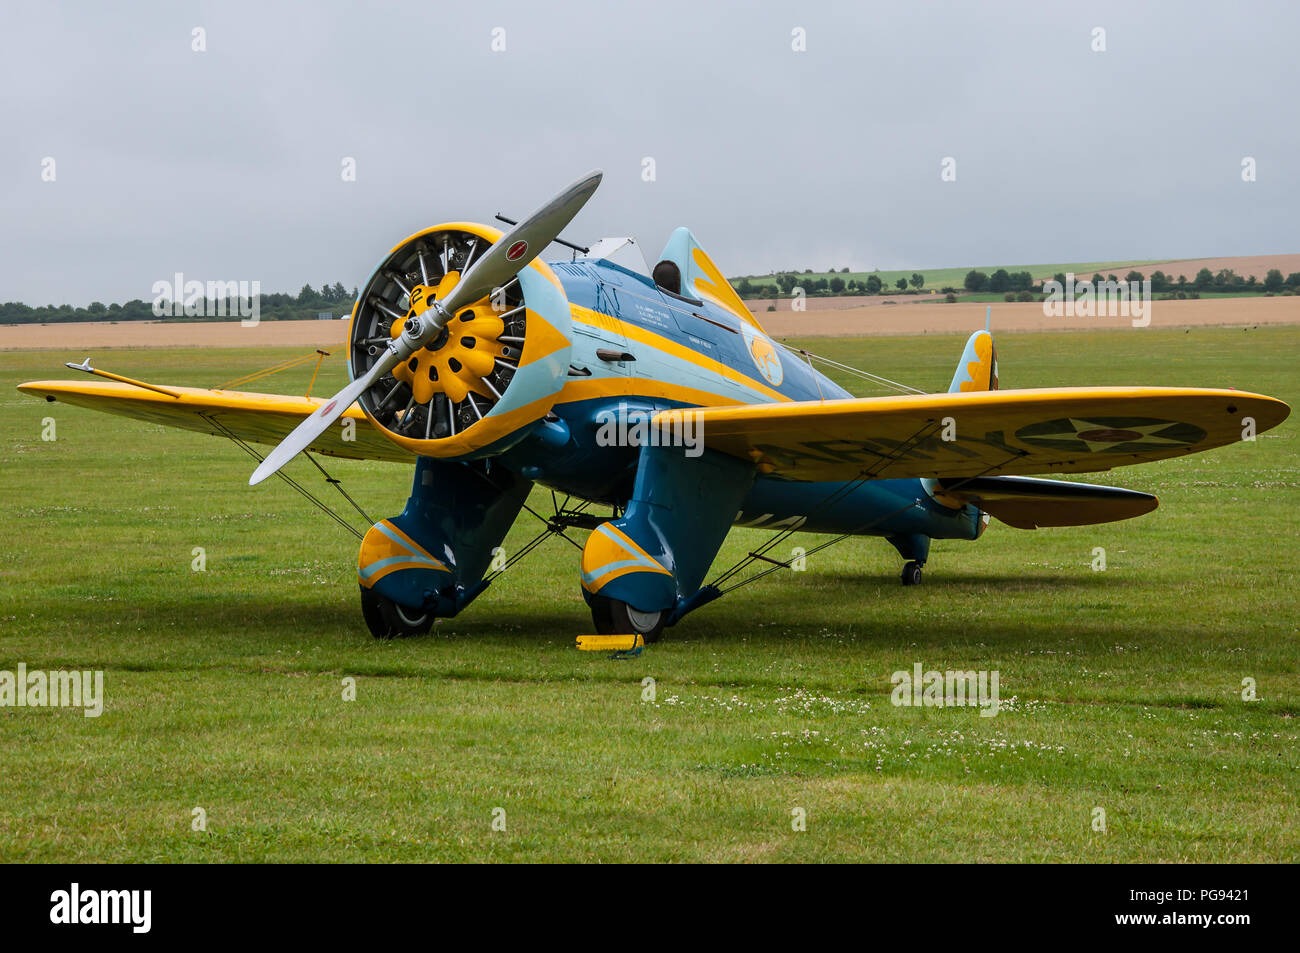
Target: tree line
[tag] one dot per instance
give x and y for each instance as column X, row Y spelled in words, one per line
column 307, row 304
column 1226, row 281
column 336, row 299
column 1020, row 285
column 833, row 285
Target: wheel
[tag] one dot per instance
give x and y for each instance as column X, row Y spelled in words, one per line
column 911, row 573
column 613, row 617
column 387, row 620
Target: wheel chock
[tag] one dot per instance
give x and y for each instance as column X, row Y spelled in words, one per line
column 624, row 646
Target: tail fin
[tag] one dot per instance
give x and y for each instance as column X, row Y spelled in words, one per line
column 978, row 369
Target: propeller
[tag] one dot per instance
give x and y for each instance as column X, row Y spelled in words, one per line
column 507, row 256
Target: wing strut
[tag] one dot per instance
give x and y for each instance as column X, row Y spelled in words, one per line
column 310, row 497
column 552, row 527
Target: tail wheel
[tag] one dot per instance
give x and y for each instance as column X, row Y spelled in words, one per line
column 452, row 382
column 613, row 617
column 911, row 573
column 387, row 619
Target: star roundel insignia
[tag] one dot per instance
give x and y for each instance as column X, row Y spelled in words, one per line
column 1110, row 434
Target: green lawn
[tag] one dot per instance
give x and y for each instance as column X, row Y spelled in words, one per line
column 224, row 687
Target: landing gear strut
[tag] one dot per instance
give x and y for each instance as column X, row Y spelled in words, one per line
column 911, row 573
column 387, row 620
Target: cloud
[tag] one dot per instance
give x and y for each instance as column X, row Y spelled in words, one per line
column 226, row 163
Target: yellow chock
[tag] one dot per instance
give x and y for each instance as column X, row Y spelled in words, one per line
column 610, row 643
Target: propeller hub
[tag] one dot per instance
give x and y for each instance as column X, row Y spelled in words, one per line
column 423, row 327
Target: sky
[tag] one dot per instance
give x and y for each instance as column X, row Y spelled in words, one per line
column 227, row 162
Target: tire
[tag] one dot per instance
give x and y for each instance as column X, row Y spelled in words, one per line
column 387, row 620
column 612, row 617
column 911, row 574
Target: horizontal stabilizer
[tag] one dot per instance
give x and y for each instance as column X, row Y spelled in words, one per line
column 1028, row 502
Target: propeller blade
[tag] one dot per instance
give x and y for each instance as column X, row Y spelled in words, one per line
column 507, row 256
column 315, row 425
column 513, row 251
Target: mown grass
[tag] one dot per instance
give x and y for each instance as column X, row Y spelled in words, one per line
column 224, row 687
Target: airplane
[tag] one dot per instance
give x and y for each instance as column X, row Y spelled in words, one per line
column 661, row 397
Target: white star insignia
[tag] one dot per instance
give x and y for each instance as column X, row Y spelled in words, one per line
column 1145, row 435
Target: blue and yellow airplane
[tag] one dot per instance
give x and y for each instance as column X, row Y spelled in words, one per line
column 662, row 397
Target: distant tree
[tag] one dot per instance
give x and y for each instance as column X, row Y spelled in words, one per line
column 837, row 284
column 1059, row 278
column 901, row 284
column 1204, row 280
column 1273, row 280
column 97, row 307
column 1134, row 276
column 1227, row 279
column 918, row 280
column 1000, row 280
column 1159, row 281
column 821, row 284
column 786, row 283
column 874, row 284
column 1021, row 281
column 306, row 294
column 976, row 281
column 744, row 288
column 1293, row 280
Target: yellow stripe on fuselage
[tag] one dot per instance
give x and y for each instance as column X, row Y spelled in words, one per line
column 597, row 387
column 598, row 319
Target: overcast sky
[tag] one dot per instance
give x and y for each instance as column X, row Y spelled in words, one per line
column 226, row 164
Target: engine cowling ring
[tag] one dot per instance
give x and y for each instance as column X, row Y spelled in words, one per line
column 489, row 377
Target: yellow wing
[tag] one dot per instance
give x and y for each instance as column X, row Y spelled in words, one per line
column 256, row 418
column 1054, row 430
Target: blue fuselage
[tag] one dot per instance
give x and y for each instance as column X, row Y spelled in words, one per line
column 638, row 349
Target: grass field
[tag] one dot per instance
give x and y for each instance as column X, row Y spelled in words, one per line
column 224, row 687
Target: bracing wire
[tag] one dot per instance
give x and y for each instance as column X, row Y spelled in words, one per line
column 848, row 369
column 307, row 494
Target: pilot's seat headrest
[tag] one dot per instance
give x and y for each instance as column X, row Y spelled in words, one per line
column 668, row 276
